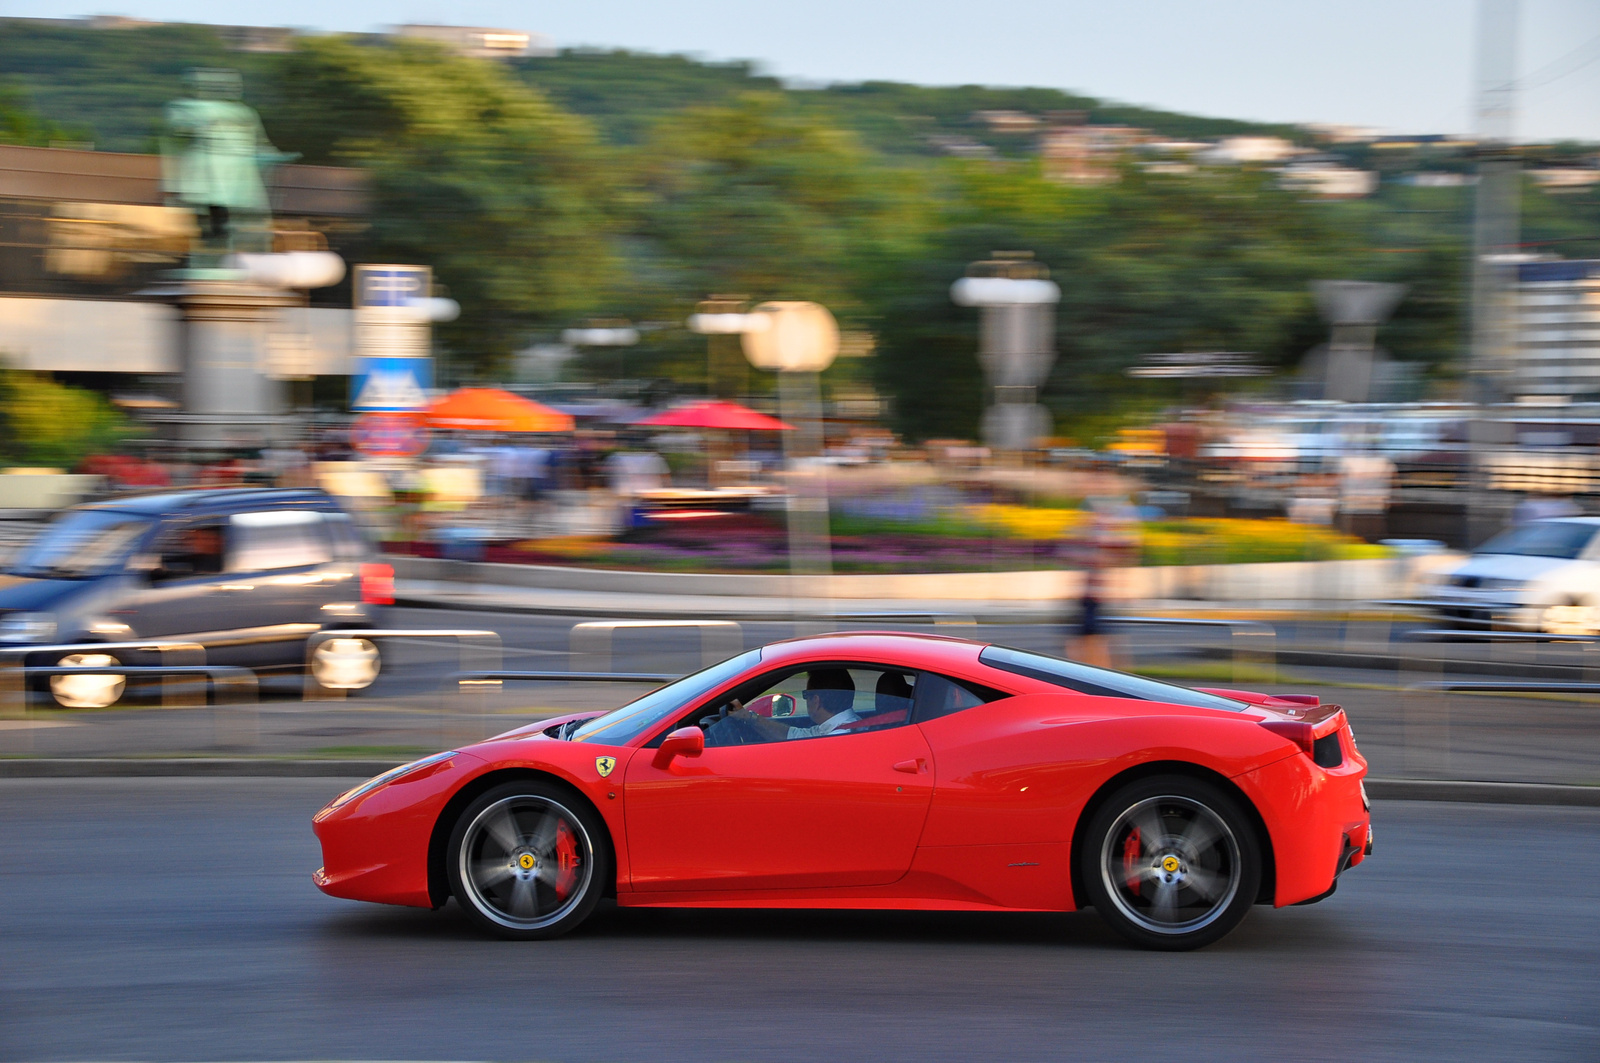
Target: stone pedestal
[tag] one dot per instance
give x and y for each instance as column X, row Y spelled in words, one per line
column 229, row 400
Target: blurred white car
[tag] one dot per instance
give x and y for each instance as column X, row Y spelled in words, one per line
column 1542, row 575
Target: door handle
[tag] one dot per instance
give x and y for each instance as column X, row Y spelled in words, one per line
column 912, row 767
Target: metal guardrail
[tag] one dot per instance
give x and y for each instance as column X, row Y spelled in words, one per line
column 1475, row 635
column 469, row 642
column 1263, row 652
column 1505, row 687
column 591, row 640
column 908, row 617
column 222, row 676
column 497, row 676
column 13, row 681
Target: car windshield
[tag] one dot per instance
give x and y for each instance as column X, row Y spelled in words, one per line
column 1101, row 682
column 1542, row 538
column 82, row 543
column 633, row 719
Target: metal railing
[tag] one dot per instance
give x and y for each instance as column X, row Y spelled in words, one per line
column 1253, row 642
column 591, row 640
column 484, row 647
column 13, row 680
column 1505, row 686
column 221, row 676
column 494, row 677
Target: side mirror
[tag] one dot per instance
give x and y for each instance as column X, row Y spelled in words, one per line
column 773, row 706
column 684, row 742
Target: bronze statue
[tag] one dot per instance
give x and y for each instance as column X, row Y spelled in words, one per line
column 213, row 156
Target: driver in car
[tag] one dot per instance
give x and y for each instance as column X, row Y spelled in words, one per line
column 830, row 694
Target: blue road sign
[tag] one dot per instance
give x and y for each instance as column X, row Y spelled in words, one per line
column 391, row 285
column 391, row 384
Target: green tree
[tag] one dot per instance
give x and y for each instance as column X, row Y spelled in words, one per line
column 508, row 198
column 1216, row 260
column 46, row 423
column 20, row 124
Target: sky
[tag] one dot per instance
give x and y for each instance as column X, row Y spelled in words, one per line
column 1398, row 65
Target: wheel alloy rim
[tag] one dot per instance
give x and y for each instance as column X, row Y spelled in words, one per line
column 526, row 862
column 1171, row 865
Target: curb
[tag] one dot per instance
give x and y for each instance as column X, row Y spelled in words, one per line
column 1500, row 793
column 1494, row 793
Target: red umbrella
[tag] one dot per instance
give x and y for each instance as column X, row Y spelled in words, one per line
column 716, row 414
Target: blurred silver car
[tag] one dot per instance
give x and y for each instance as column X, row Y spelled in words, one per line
column 1542, row 575
column 248, row 573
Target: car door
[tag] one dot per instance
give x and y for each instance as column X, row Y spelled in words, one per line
column 278, row 566
column 840, row 809
column 187, row 590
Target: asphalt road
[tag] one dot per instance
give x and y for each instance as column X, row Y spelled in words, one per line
column 175, row 919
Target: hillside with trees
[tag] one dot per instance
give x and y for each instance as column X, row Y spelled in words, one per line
column 546, row 192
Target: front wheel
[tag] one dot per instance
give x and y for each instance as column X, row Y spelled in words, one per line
column 1171, row 863
column 527, row 860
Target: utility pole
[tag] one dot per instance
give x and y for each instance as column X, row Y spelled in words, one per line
column 1494, row 247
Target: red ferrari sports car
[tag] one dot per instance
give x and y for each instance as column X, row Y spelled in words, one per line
column 876, row 770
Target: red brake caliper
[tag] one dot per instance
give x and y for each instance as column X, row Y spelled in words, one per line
column 566, row 860
column 1130, row 859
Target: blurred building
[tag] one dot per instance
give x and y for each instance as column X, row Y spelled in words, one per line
column 85, row 237
column 1082, row 154
column 1565, row 178
column 1328, row 179
column 1234, row 151
column 481, row 42
column 1558, row 330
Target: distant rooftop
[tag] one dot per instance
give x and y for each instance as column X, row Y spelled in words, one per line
column 479, row 42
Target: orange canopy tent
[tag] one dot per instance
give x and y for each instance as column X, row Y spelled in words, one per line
column 493, row 410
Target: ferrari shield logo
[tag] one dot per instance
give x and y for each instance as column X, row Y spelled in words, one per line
column 603, row 765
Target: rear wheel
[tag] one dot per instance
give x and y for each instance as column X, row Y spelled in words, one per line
column 527, row 860
column 1171, row 863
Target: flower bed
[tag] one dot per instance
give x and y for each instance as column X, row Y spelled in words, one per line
column 978, row 539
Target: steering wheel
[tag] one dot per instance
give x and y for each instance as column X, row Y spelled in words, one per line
column 707, row 722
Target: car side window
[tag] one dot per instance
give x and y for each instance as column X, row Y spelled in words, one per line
column 277, row 538
column 815, row 701
column 191, row 549
column 939, row 695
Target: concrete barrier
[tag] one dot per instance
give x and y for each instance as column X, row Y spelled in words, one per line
column 1284, row 581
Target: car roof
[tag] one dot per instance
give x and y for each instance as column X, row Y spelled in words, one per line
column 155, row 503
column 907, row 648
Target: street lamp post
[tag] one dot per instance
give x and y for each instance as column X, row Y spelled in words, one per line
column 604, row 335
column 721, row 320
column 798, row 340
column 1016, row 349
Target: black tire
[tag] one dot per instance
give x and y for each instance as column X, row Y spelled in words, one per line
column 528, row 860
column 1171, row 862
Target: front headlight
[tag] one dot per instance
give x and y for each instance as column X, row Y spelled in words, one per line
column 387, row 777
column 28, row 627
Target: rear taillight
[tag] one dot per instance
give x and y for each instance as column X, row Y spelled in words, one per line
column 1327, row 752
column 377, row 584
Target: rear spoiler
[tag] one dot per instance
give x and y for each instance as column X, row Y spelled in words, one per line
column 1314, row 720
